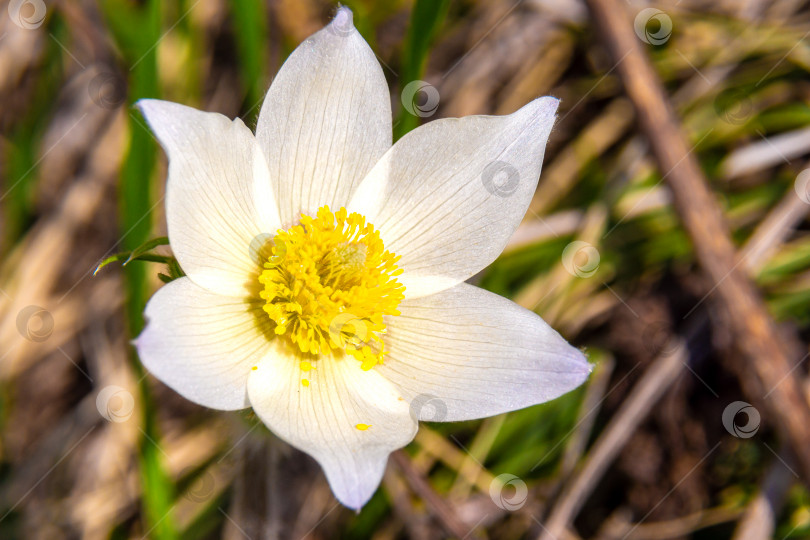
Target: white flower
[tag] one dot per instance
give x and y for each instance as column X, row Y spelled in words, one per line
column 337, row 326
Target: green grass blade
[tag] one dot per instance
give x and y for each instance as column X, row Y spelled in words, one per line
column 250, row 32
column 426, row 19
column 137, row 31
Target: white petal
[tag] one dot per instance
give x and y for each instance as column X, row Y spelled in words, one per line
column 321, row 419
column 326, row 120
column 218, row 195
column 466, row 353
column 447, row 196
column 203, row 344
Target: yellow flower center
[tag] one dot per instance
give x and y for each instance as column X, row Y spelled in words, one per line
column 328, row 282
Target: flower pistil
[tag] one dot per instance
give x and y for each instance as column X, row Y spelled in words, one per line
column 328, row 282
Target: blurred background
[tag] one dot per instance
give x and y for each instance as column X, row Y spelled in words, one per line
column 667, row 440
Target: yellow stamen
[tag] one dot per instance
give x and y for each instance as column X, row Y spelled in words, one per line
column 362, row 427
column 305, row 382
column 327, row 285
